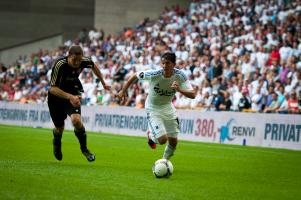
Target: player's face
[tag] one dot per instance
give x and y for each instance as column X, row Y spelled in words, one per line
column 167, row 65
column 75, row 60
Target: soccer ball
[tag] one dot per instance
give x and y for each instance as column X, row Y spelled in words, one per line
column 162, row 168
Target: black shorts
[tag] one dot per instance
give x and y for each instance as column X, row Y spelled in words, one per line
column 59, row 109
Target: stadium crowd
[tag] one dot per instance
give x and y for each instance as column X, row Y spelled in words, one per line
column 240, row 55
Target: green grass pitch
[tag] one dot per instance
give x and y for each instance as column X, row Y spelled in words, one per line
column 122, row 169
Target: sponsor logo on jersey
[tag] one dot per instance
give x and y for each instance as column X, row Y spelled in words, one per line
column 163, row 92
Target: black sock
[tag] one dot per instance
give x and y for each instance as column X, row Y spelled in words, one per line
column 82, row 138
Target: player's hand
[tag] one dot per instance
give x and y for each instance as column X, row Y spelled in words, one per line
column 75, row 100
column 121, row 95
column 175, row 86
column 107, row 87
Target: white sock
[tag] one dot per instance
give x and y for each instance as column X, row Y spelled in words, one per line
column 169, row 150
column 153, row 138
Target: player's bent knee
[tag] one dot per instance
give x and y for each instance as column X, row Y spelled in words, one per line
column 59, row 130
column 76, row 121
column 162, row 139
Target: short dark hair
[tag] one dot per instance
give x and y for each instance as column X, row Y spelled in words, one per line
column 169, row 56
column 275, row 93
column 75, row 50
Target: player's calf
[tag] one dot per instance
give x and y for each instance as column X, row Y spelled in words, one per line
column 57, row 145
column 82, row 138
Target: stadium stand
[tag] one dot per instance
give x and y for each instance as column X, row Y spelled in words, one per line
column 242, row 56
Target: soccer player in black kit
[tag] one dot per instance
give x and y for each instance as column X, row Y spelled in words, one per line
column 64, row 98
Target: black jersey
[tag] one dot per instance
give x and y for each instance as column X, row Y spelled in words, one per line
column 65, row 77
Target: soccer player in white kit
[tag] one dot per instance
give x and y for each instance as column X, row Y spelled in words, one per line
column 161, row 114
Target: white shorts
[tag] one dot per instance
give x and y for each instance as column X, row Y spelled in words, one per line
column 159, row 126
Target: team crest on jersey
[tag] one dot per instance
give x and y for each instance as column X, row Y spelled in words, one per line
column 141, row 75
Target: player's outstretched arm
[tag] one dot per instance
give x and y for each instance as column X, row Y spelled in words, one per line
column 97, row 72
column 190, row 93
column 126, row 86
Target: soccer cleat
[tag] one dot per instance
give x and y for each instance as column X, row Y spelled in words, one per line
column 57, row 151
column 90, row 156
column 150, row 142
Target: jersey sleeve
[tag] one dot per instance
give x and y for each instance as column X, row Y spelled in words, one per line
column 57, row 73
column 186, row 85
column 183, row 80
column 148, row 75
column 87, row 62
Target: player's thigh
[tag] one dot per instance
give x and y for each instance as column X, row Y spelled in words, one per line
column 74, row 113
column 57, row 113
column 156, row 125
column 70, row 109
column 172, row 127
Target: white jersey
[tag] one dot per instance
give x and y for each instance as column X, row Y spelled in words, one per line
column 160, row 95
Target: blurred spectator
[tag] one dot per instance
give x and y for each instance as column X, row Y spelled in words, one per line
column 293, row 104
column 225, row 103
column 257, row 99
column 283, row 108
column 274, row 105
column 216, row 101
column 244, row 101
